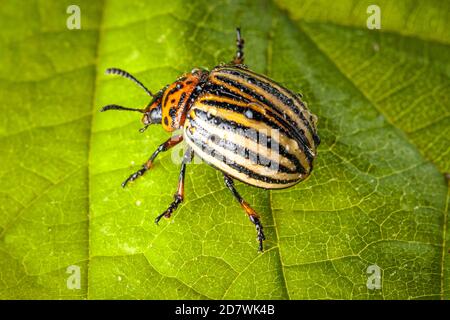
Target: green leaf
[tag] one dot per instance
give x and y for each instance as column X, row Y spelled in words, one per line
column 377, row 195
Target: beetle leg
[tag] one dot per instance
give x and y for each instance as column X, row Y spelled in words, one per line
column 179, row 195
column 239, row 57
column 253, row 216
column 171, row 142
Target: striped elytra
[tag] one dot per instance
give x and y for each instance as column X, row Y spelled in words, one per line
column 240, row 122
column 266, row 137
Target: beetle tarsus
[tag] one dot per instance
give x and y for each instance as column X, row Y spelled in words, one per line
column 260, row 237
column 178, row 199
column 135, row 175
column 159, row 217
column 252, row 215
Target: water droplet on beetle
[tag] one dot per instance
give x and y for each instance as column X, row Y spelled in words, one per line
column 138, row 202
column 248, row 114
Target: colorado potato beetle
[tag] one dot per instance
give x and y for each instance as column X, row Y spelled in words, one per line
column 240, row 122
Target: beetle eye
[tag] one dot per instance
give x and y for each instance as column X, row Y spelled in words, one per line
column 145, row 119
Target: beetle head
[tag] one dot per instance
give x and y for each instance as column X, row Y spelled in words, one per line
column 170, row 105
column 153, row 112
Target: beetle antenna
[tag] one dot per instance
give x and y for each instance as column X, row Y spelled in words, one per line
column 117, row 107
column 125, row 74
